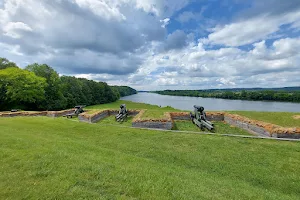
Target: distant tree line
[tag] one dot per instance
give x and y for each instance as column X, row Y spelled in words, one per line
column 259, row 95
column 39, row 87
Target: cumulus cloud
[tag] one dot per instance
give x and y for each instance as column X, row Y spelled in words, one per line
column 196, row 67
column 176, row 40
column 165, row 22
column 84, row 35
column 148, row 44
column 264, row 19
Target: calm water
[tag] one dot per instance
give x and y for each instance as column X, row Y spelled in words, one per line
column 187, row 103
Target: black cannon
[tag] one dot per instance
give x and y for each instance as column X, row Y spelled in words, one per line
column 199, row 118
column 78, row 110
column 122, row 115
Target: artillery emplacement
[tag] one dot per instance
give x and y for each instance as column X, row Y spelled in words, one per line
column 199, row 118
column 123, row 113
column 78, row 110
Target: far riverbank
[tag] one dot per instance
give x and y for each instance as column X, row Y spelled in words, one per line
column 212, row 104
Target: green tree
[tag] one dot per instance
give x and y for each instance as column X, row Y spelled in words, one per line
column 72, row 90
column 4, row 63
column 21, row 88
column 55, row 99
column 243, row 94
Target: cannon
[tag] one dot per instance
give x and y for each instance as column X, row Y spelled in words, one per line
column 78, row 110
column 199, row 118
column 122, row 113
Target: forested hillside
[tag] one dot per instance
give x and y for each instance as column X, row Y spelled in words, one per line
column 124, row 90
column 39, row 87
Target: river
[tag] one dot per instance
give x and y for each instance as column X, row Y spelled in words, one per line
column 213, row 104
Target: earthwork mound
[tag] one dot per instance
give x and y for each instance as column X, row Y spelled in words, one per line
column 296, row 117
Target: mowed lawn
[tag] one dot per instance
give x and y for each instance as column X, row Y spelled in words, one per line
column 220, row 128
column 132, row 106
column 46, row 158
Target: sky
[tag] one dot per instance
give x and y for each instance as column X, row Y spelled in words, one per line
column 158, row 44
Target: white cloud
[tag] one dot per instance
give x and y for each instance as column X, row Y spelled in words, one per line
column 251, row 30
column 161, row 8
column 83, row 35
column 127, row 42
column 13, row 29
column 104, row 8
column 165, row 22
column 226, row 81
column 195, row 67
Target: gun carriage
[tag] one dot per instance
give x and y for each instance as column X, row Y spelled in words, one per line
column 123, row 113
column 199, row 118
column 78, row 110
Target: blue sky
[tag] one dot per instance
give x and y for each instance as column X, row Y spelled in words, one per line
column 158, row 44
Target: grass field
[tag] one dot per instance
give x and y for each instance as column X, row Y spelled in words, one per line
column 57, row 158
column 153, row 114
column 220, row 128
column 112, row 121
column 131, row 105
column 284, row 119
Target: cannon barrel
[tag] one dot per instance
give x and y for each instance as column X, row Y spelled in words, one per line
column 199, row 118
column 208, row 122
column 118, row 116
column 208, row 125
column 122, row 113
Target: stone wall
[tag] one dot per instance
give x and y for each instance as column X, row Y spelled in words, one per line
column 92, row 118
column 262, row 128
column 60, row 113
column 180, row 116
column 215, row 116
column 153, row 124
column 246, row 126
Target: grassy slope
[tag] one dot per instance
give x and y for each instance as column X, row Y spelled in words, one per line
column 220, row 128
column 131, row 105
column 61, row 159
column 284, row 119
column 111, row 120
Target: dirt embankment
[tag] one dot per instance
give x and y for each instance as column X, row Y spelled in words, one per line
column 271, row 128
column 296, row 117
column 36, row 113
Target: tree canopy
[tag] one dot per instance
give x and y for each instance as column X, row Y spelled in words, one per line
column 21, row 87
column 39, row 87
column 54, row 98
column 4, row 63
